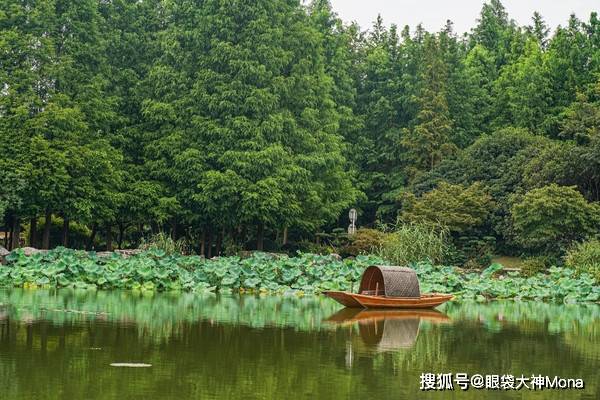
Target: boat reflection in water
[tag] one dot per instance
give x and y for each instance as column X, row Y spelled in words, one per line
column 386, row 330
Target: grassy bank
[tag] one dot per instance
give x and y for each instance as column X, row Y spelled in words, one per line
column 306, row 273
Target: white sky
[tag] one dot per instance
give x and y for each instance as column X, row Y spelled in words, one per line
column 434, row 13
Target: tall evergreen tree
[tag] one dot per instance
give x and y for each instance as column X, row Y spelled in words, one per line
column 272, row 116
column 470, row 96
column 256, row 136
column 493, row 31
column 429, row 140
column 539, row 30
column 522, row 91
column 132, row 29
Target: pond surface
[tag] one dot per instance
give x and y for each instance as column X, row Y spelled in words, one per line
column 61, row 344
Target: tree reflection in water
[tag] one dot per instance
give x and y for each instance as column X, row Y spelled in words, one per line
column 59, row 344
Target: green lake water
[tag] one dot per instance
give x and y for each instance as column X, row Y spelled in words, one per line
column 61, row 344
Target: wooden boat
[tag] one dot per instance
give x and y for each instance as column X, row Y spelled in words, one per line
column 354, row 300
column 389, row 287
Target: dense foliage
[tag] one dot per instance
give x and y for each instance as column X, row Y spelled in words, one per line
column 409, row 243
column 453, row 206
column 154, row 271
column 553, row 217
column 259, row 125
column 585, row 257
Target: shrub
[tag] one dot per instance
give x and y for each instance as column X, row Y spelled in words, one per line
column 456, row 207
column 585, row 257
column 307, row 246
column 409, row 243
column 336, row 239
column 163, row 241
column 231, row 248
column 551, row 218
column 78, row 234
column 476, row 250
column 534, row 265
column 365, row 241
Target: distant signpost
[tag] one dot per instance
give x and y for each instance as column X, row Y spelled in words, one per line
column 353, row 216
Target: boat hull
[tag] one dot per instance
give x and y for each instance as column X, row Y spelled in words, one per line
column 354, row 300
column 345, row 299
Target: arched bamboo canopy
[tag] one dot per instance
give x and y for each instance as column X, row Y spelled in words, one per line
column 390, row 282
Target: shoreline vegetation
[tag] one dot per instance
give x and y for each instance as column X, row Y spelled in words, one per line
column 260, row 126
column 154, row 270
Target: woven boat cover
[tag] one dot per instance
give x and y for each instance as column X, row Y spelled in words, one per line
column 391, row 281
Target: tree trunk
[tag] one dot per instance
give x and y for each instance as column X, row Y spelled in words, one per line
column 260, row 233
column 10, row 235
column 46, row 234
column 65, row 232
column 16, row 234
column 154, row 227
column 219, row 243
column 209, row 244
column 203, row 244
column 33, row 232
column 109, row 245
column 90, row 243
column 121, row 233
column 174, row 229
column 243, row 235
column 285, row 236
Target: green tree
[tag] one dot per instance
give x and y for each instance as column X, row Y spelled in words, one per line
column 343, row 55
column 581, row 120
column 570, row 66
column 429, row 140
column 256, row 135
column 496, row 33
column 132, row 29
column 588, row 161
column 26, row 85
column 470, row 98
column 55, row 102
column 242, row 123
column 557, row 162
column 455, row 207
column 496, row 161
column 385, row 105
column 539, row 30
column 522, row 91
column 551, row 218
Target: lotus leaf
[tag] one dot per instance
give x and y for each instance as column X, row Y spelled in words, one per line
column 305, row 273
